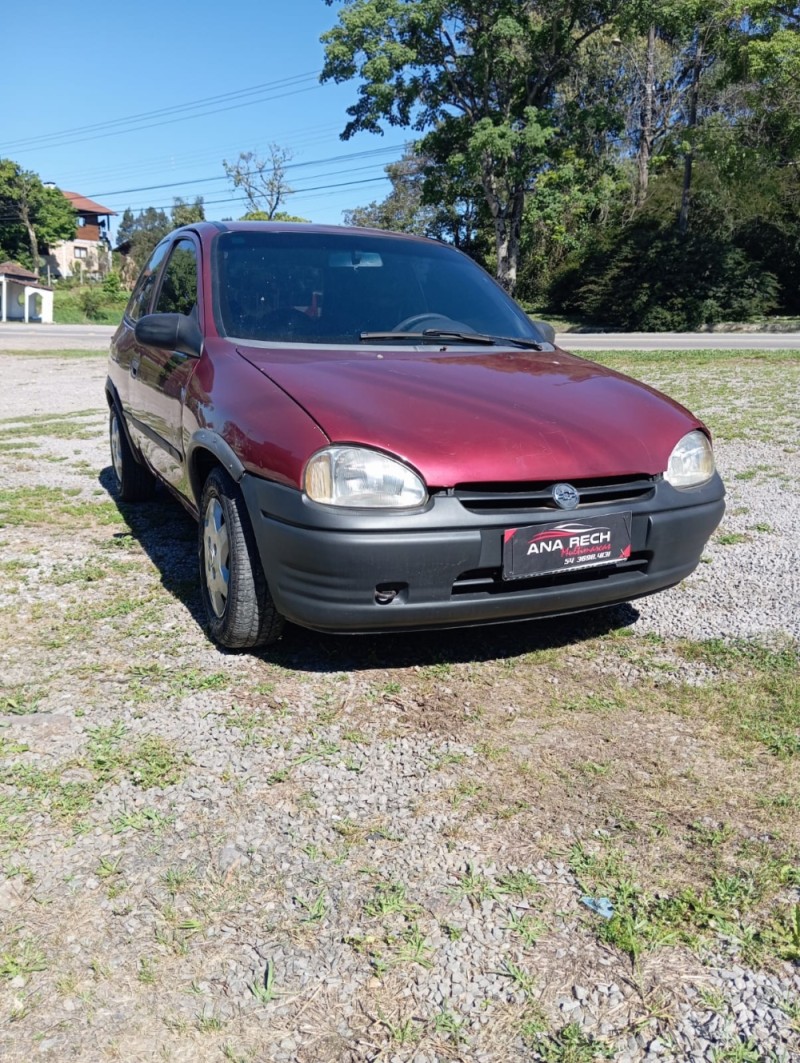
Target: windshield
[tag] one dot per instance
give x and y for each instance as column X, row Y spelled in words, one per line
column 306, row 287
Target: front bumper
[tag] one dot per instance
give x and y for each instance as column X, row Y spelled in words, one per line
column 367, row 571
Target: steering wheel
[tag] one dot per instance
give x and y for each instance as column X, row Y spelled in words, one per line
column 413, row 323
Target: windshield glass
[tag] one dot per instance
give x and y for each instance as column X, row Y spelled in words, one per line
column 305, row 287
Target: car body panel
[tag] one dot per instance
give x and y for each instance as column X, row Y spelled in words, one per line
column 462, row 415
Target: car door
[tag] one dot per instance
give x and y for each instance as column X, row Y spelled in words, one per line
column 161, row 375
column 125, row 351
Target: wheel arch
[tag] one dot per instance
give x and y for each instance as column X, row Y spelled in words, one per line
column 115, row 403
column 207, row 451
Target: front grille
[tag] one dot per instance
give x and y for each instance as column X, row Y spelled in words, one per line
column 489, row 581
column 516, row 498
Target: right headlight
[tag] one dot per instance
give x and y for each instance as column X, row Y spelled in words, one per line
column 691, row 461
column 361, row 477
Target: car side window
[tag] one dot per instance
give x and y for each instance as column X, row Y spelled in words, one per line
column 140, row 300
column 178, row 294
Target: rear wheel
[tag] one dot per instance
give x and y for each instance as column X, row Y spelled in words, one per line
column 239, row 607
column 135, row 482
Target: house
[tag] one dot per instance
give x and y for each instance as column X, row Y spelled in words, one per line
column 22, row 297
column 89, row 253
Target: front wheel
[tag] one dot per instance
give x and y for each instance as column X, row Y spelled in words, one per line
column 239, row 606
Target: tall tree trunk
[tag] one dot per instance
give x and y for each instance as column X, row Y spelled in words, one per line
column 646, row 121
column 32, row 240
column 691, row 125
column 506, row 214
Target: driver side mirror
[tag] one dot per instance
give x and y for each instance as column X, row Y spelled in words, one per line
column 170, row 332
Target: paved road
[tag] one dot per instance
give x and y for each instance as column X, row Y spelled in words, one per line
column 14, row 337
column 678, row 341
column 19, row 337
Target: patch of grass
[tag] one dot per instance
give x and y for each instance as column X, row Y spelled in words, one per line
column 315, row 911
column 37, row 506
column 40, row 790
column 21, row 700
column 389, row 898
column 55, row 426
column 529, row 928
column 758, row 697
column 24, row 958
column 732, row 538
column 266, row 991
column 153, row 762
column 521, row 980
column 414, row 948
column 139, row 820
column 569, row 1045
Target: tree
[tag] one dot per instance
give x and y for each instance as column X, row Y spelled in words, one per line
column 478, row 77
column 184, row 213
column 263, row 181
column 32, row 215
column 137, row 237
column 403, row 210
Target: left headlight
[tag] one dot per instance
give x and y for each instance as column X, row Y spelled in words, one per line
column 357, row 476
column 691, row 461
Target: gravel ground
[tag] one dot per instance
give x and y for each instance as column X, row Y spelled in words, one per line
column 298, row 856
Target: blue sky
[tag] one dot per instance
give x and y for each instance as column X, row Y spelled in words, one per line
column 255, row 63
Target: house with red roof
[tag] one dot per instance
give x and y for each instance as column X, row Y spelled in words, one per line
column 89, row 253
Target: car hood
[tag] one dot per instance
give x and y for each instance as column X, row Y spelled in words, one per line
column 464, row 416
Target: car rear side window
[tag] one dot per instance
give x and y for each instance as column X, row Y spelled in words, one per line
column 142, row 293
column 178, row 294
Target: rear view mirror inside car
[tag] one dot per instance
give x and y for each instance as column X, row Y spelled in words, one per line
column 354, row 259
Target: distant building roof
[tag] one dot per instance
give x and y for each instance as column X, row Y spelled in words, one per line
column 83, row 205
column 14, row 269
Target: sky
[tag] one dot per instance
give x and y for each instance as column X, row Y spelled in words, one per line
column 80, row 86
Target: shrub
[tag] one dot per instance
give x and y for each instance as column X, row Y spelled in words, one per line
column 92, row 304
column 649, row 277
column 112, row 285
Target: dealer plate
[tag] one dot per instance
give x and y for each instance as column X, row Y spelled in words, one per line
column 566, row 545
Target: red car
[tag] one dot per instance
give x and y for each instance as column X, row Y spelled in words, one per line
column 373, row 436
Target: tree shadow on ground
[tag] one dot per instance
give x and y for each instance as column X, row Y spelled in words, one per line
column 168, row 535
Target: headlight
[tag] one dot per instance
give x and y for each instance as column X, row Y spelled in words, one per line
column 691, row 462
column 355, row 476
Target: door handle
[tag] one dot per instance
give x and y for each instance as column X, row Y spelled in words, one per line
column 134, row 367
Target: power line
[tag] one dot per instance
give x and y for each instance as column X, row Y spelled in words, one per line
column 370, row 153
column 10, row 219
column 266, row 86
column 298, row 194
column 171, row 121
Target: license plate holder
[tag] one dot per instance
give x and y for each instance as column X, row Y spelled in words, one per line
column 567, row 545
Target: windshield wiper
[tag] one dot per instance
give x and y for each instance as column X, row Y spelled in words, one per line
column 436, row 335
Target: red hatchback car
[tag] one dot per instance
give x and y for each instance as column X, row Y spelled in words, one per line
column 373, row 437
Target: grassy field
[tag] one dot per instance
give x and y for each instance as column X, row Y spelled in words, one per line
column 656, row 772
column 71, row 306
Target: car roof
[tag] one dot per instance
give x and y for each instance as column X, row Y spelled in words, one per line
column 208, row 229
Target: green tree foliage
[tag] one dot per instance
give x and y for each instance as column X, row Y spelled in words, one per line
column 640, row 158
column 33, row 216
column 478, row 77
column 184, row 213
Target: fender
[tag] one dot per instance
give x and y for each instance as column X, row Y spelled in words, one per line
column 205, row 439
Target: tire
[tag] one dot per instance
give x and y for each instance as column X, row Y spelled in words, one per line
column 238, row 604
column 135, row 482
